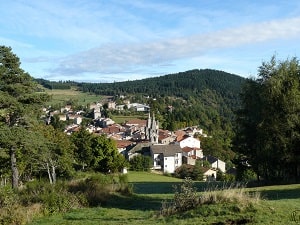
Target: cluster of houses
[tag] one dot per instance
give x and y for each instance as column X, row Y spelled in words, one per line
column 168, row 150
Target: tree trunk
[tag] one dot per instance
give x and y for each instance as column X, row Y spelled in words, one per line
column 14, row 169
column 49, row 174
column 53, row 174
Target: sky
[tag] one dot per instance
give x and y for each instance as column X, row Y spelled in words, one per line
column 119, row 40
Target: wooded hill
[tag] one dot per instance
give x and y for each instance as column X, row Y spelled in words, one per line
column 197, row 96
column 207, row 98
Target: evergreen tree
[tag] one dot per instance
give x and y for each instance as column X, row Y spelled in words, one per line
column 19, row 102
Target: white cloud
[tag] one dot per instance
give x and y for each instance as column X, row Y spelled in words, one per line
column 117, row 58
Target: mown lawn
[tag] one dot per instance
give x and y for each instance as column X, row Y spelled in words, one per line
column 275, row 207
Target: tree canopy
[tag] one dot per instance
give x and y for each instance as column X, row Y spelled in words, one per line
column 268, row 134
column 19, row 102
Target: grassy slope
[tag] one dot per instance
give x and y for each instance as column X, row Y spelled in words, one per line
column 61, row 96
column 275, row 208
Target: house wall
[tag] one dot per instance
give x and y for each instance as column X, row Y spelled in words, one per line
column 199, row 153
column 219, row 164
column 166, row 140
column 210, row 175
column 171, row 163
column 190, row 142
column 157, row 161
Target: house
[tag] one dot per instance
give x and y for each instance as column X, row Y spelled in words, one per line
column 139, row 107
column 78, row 120
column 141, row 148
column 166, row 158
column 112, row 130
column 216, row 163
column 123, row 145
column 136, row 122
column 190, row 142
column 62, row 117
column 97, row 112
column 111, row 105
column 190, row 149
column 209, row 174
column 65, row 109
column 164, row 137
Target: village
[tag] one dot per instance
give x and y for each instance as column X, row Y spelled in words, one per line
column 168, row 150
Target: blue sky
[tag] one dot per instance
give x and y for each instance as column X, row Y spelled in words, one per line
column 117, row 40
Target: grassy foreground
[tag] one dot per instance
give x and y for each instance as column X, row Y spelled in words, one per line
column 275, row 207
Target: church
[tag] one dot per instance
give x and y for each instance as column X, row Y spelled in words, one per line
column 151, row 129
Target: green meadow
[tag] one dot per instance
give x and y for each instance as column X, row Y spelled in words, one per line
column 63, row 96
column 276, row 205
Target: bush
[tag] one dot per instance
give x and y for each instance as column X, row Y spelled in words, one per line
column 54, row 198
column 140, row 163
column 11, row 210
column 186, row 198
column 98, row 188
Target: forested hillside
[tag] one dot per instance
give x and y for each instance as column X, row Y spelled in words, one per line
column 183, row 84
column 196, row 95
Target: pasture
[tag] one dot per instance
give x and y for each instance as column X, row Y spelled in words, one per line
column 276, row 206
column 60, row 97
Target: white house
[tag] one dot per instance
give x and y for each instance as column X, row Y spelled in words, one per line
column 190, row 142
column 190, row 147
column 209, row 174
column 139, row 107
column 216, row 163
column 166, row 158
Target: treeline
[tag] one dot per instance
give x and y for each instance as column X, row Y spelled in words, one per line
column 62, row 85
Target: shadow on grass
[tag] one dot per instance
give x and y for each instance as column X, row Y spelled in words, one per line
column 150, row 195
column 135, row 202
column 168, row 187
column 281, row 194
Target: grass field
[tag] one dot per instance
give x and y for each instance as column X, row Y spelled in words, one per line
column 275, row 207
column 121, row 118
column 61, row 96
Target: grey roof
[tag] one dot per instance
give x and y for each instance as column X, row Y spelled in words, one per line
column 166, row 150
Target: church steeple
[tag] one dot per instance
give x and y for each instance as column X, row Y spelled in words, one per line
column 151, row 129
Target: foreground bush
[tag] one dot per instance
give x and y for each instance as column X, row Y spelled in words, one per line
column 40, row 198
column 12, row 212
column 187, row 198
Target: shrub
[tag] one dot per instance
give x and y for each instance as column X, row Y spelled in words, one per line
column 54, row 198
column 140, row 163
column 98, row 188
column 124, row 187
column 186, row 198
column 95, row 189
column 12, row 212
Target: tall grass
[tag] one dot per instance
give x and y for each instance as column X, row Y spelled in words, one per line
column 187, row 198
column 39, row 198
